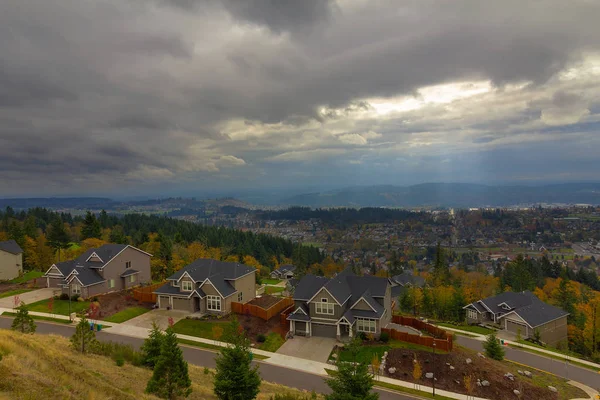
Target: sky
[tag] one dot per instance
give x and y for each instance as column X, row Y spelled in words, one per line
column 157, row 97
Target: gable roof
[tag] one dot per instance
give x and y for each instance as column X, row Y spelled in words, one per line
column 286, row 268
column 308, row 286
column 408, row 278
column 10, row 246
column 86, row 276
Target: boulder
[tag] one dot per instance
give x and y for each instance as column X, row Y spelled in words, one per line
column 334, row 356
column 429, row 375
column 485, row 383
column 468, row 361
column 452, row 368
column 392, row 370
column 480, row 355
column 516, row 392
column 528, row 374
column 457, row 381
column 520, row 372
column 553, row 389
column 447, row 364
column 479, row 383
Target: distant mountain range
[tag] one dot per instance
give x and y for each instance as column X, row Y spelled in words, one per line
column 449, row 195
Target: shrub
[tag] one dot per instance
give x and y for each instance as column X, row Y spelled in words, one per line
column 493, row 348
column 261, row 338
column 75, row 297
column 120, row 360
column 293, row 396
column 64, row 296
column 95, row 299
column 384, row 337
column 362, row 336
column 119, row 351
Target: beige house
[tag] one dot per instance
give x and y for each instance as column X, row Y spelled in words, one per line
column 11, row 260
column 109, row 268
column 208, row 286
column 341, row 306
column 520, row 313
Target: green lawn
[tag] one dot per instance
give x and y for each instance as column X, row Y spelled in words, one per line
column 194, row 327
column 273, row 342
column 14, row 293
column 269, row 281
column 127, row 314
column 27, row 276
column 60, row 307
column 60, row 321
column 274, row 289
column 468, row 328
column 366, row 353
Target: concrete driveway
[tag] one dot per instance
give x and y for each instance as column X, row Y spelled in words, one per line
column 161, row 317
column 314, row 348
column 29, row 297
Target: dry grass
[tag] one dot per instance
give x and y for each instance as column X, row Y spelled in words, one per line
column 45, row 367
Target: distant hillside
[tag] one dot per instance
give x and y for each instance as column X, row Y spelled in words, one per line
column 57, row 202
column 45, row 367
column 449, row 195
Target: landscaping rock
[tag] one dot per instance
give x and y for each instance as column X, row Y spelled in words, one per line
column 553, row 389
column 468, row 361
column 516, row 392
column 392, row 370
column 457, row 381
column 447, row 364
column 528, row 374
column 480, row 355
column 452, row 368
column 510, row 376
column 479, row 384
column 520, row 372
column 485, row 383
column 334, row 356
column 429, row 375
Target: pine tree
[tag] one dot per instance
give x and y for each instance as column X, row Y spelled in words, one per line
column 152, row 345
column 91, row 227
column 58, row 237
column 84, row 339
column 117, row 235
column 235, row 378
column 441, row 272
column 493, row 348
column 351, row 381
column 23, row 322
column 170, row 378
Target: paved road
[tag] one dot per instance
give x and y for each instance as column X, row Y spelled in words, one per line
column 560, row 368
column 205, row 358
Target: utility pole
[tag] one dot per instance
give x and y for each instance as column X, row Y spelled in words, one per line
column 434, row 368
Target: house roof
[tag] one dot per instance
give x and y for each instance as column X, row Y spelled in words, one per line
column 308, row 286
column 408, row 278
column 86, row 276
column 204, row 268
column 222, row 286
column 129, row 272
column 365, row 314
column 286, row 268
column 10, row 246
column 397, row 291
column 298, row 317
column 525, row 304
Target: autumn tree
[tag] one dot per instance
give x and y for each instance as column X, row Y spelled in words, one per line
column 417, row 372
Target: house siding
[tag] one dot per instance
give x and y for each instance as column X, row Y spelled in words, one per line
column 139, row 262
column 338, row 311
column 554, row 332
column 11, row 265
column 210, row 290
column 247, row 286
column 362, row 305
column 387, row 304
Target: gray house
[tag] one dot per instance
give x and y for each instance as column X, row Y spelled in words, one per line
column 403, row 281
column 208, row 286
column 109, row 268
column 521, row 312
column 284, row 272
column 11, row 260
column 341, row 306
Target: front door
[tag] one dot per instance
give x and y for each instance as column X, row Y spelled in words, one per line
column 196, row 304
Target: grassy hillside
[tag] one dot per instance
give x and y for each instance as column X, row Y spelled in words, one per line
column 45, row 367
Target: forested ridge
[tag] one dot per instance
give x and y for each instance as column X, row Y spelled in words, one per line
column 48, row 236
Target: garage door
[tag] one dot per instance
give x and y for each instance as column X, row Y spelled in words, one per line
column 164, row 301
column 516, row 327
column 54, row 282
column 324, row 330
column 181, row 304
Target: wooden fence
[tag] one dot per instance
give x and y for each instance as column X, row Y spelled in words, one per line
column 144, row 293
column 265, row 314
column 442, row 339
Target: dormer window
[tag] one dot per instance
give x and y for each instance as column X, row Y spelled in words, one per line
column 186, row 286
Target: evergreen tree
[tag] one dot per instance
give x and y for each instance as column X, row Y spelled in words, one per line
column 58, row 237
column 493, row 348
column 351, row 381
column 235, row 378
column 117, row 235
column 91, row 227
column 15, row 232
column 104, row 220
column 23, row 322
column 151, row 348
column 565, row 296
column 84, row 339
column 170, row 378
column 441, row 271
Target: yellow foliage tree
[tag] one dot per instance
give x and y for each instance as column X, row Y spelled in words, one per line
column 417, row 372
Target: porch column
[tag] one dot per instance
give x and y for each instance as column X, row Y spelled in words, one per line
column 309, row 329
column 292, row 327
column 350, row 331
column 337, row 327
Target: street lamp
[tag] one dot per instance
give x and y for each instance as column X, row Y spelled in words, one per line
column 434, row 369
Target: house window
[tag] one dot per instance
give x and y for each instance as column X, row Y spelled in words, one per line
column 132, row 278
column 240, row 297
column 366, row 325
column 111, row 283
column 186, row 286
column 324, row 307
column 127, row 264
column 76, row 288
column 213, row 303
column 471, row 314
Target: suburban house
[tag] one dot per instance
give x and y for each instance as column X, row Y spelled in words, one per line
column 521, row 312
column 403, row 281
column 284, row 272
column 11, row 260
column 208, row 286
column 341, row 306
column 109, row 268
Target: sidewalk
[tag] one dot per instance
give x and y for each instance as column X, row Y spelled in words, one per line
column 482, row 338
column 282, row 360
